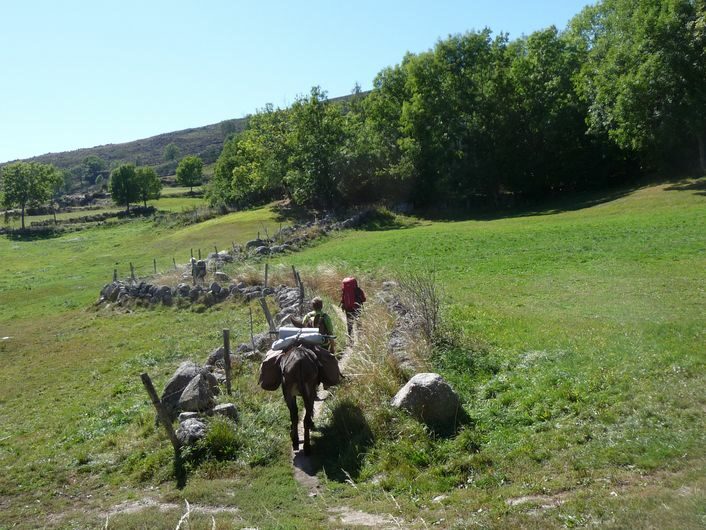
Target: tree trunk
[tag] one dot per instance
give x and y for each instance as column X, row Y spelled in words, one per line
column 701, row 138
column 23, row 217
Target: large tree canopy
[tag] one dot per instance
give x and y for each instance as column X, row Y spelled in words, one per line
column 645, row 73
column 25, row 184
column 480, row 118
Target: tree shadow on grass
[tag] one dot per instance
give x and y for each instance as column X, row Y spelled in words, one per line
column 698, row 185
column 343, row 443
column 486, row 209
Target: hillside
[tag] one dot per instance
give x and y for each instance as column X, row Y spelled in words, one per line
column 205, row 142
column 573, row 334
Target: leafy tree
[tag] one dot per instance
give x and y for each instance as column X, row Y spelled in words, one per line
column 189, row 171
column 645, row 73
column 148, row 184
column 171, row 152
column 57, row 184
column 123, row 186
column 26, row 184
column 92, row 167
column 316, row 133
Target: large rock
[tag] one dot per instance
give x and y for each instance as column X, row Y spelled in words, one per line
column 198, row 395
column 190, row 431
column 263, row 341
column 262, row 251
column 226, row 409
column 176, row 385
column 221, row 277
column 255, row 243
column 430, row 399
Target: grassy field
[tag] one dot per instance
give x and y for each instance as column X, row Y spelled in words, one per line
column 574, row 335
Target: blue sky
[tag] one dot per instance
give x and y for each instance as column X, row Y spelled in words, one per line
column 83, row 73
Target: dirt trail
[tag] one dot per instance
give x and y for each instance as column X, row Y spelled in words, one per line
column 305, row 471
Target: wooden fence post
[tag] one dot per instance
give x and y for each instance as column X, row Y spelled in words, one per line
column 174, row 262
column 226, row 357
column 268, row 315
column 115, row 275
column 267, row 266
column 301, row 293
column 294, row 273
column 132, row 272
column 199, row 254
column 252, row 336
column 192, row 253
column 155, row 265
column 216, row 249
column 161, row 413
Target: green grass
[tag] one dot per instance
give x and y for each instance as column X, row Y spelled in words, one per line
column 574, row 337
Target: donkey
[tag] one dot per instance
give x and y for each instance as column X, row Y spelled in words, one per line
column 300, row 377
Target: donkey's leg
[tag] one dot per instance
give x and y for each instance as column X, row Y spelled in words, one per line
column 294, row 418
column 308, row 395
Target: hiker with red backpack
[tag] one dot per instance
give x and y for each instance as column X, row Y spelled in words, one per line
column 352, row 300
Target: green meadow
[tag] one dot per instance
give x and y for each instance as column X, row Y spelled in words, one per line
column 574, row 335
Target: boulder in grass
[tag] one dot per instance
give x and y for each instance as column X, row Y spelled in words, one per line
column 222, row 277
column 226, row 409
column 215, row 356
column 198, row 395
column 187, row 416
column 263, row 341
column 255, row 243
column 176, row 385
column 191, row 431
column 430, row 399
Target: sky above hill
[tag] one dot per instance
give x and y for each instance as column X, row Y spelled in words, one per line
column 79, row 74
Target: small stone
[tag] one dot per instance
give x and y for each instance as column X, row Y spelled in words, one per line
column 226, row 409
column 187, row 416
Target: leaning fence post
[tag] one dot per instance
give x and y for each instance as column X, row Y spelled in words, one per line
column 268, row 315
column 161, row 413
column 216, row 249
column 174, row 262
column 226, row 357
column 252, row 336
column 294, row 273
column 301, row 292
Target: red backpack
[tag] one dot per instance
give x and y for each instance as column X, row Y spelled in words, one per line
column 348, row 301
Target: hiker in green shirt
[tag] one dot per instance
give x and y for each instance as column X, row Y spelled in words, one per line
column 318, row 319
